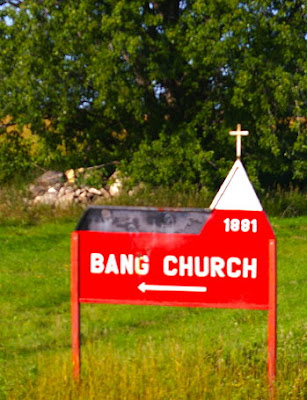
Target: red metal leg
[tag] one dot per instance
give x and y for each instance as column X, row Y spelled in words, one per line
column 75, row 305
column 272, row 319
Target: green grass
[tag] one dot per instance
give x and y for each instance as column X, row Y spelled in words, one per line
column 136, row 352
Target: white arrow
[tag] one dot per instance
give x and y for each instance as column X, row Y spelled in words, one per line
column 168, row 288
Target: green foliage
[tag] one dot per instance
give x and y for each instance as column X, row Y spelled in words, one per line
column 285, row 203
column 95, row 178
column 119, row 80
column 176, row 160
column 14, row 156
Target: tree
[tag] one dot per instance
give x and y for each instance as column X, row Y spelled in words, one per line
column 159, row 84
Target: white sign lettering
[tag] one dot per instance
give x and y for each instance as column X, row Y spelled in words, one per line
column 124, row 264
column 215, row 267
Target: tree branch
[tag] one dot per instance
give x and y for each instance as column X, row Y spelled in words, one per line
column 8, row 124
column 102, row 165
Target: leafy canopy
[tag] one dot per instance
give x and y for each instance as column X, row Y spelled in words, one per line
column 157, row 85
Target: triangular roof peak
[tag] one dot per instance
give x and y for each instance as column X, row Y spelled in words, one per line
column 236, row 192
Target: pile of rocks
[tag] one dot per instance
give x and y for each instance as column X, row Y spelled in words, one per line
column 59, row 189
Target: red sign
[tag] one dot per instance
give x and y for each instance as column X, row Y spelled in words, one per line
column 222, row 257
column 225, row 265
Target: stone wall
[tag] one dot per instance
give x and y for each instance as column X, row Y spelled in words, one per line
column 55, row 188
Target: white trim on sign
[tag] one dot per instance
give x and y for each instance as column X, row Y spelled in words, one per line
column 236, row 192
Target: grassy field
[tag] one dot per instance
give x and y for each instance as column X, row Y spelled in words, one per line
column 135, row 352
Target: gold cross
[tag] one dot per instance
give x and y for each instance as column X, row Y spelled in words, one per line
column 238, row 133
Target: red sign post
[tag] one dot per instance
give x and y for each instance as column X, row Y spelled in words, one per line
column 222, row 257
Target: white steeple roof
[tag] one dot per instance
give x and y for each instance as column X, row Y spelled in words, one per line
column 236, row 192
